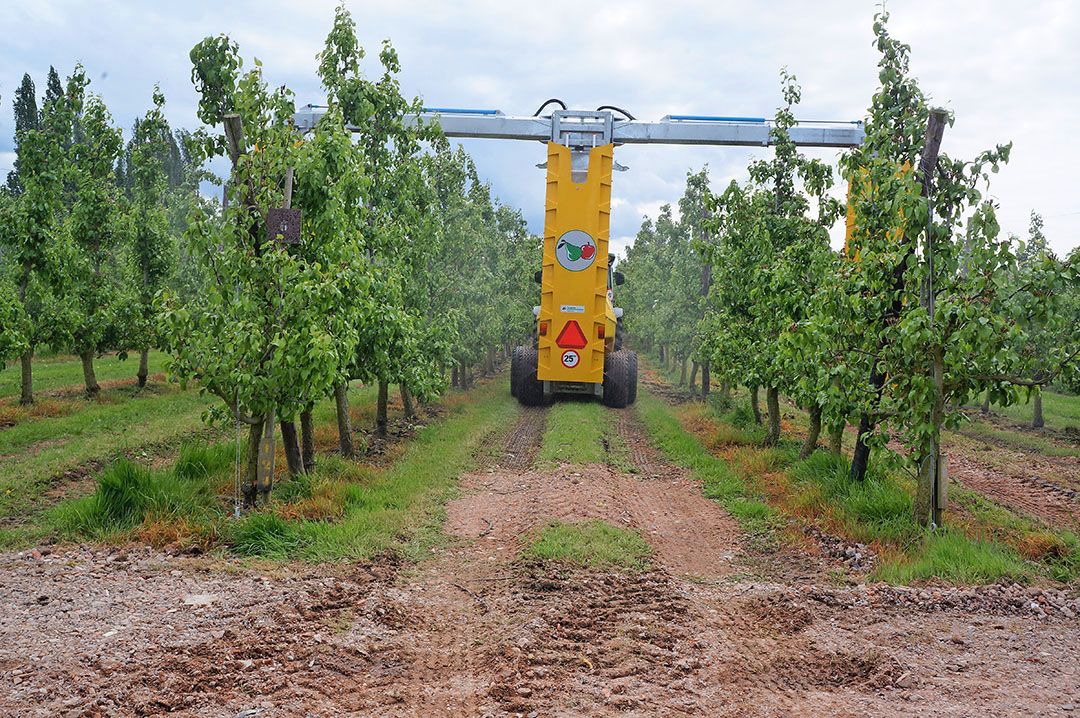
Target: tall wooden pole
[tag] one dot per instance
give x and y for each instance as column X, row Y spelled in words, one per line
column 930, row 496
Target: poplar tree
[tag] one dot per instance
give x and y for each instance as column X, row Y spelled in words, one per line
column 31, row 227
column 27, row 118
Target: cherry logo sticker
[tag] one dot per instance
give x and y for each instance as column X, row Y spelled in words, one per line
column 575, row 250
column 570, row 359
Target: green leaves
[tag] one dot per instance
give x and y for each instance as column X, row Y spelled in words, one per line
column 215, row 69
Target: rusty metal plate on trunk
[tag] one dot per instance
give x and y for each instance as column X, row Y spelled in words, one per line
column 264, row 469
column 283, row 225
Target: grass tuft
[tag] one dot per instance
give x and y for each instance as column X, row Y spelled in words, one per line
column 590, row 543
column 126, row 494
column 877, row 509
column 201, row 460
column 952, row 556
column 264, row 534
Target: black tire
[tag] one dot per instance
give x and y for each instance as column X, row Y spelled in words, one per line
column 515, row 370
column 631, row 382
column 530, row 390
column 616, row 379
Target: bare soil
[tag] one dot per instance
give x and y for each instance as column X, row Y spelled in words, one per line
column 479, row 631
column 1040, row 486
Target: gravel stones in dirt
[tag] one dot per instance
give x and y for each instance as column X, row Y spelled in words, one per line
column 991, row 600
column 855, row 556
column 133, row 632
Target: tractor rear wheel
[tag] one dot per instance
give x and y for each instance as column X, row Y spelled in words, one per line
column 530, row 390
column 631, row 383
column 515, row 368
column 616, row 379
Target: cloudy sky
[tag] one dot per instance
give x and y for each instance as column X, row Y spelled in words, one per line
column 1009, row 70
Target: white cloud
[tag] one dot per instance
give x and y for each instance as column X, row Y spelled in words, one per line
column 1007, row 69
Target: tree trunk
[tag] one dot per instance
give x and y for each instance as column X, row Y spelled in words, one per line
column 266, row 482
column 27, row 396
column 860, row 457
column 249, row 487
column 89, row 379
column 454, row 376
column 407, row 401
column 293, row 457
column 725, row 390
column 705, row 380
column 682, row 373
column 144, row 367
column 380, row 409
column 344, row 421
column 307, row 439
column 836, row 439
column 755, row 405
column 693, row 376
column 772, row 401
column 663, row 357
column 813, row 433
column 1037, row 420
column 985, row 409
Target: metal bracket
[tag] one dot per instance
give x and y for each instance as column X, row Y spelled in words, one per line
column 581, row 129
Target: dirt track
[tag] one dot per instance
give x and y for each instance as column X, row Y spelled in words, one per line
column 1043, row 487
column 711, row 630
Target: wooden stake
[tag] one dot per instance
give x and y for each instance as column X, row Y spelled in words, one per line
column 234, row 135
column 930, row 496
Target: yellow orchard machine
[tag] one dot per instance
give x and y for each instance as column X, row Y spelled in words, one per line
column 577, row 345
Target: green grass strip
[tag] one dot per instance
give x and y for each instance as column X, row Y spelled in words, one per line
column 590, row 543
column 62, row 370
column 399, row 509
column 575, row 433
column 719, row 480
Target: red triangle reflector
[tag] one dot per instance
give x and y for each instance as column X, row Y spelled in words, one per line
column 571, row 336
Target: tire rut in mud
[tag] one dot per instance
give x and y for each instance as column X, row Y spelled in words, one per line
column 643, row 455
column 521, row 444
column 585, row 641
column 1030, row 495
column 601, row 643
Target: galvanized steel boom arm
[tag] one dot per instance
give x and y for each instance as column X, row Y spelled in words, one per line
column 579, row 129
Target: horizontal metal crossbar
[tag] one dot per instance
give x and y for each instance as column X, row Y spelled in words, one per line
column 671, row 130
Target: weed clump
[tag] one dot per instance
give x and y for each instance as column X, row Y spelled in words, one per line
column 200, row 460
column 741, row 417
column 126, row 494
column 952, row 556
column 878, row 508
column 264, row 534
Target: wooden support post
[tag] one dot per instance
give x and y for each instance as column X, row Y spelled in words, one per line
column 234, row 135
column 929, row 499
